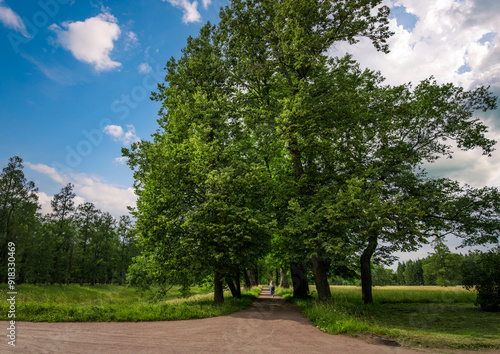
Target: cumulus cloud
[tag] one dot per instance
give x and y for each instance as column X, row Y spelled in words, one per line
column 88, row 188
column 12, row 20
column 118, row 134
column 190, row 9
column 456, row 41
column 445, row 37
column 90, row 41
column 144, row 68
column 44, row 201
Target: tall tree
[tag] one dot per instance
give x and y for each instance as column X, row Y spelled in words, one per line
column 278, row 53
column 198, row 183
column 63, row 207
column 128, row 246
column 18, row 207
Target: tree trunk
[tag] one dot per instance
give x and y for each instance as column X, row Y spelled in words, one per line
column 238, row 285
column 366, row 270
column 231, row 287
column 299, row 279
column 246, row 280
column 284, row 279
column 253, row 277
column 70, row 267
column 218, row 291
column 320, row 271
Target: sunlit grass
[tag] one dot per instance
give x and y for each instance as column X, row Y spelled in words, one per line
column 102, row 303
column 429, row 316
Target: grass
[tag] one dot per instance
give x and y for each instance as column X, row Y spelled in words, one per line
column 104, row 303
column 426, row 316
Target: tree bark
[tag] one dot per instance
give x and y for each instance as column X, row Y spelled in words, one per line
column 246, row 280
column 284, row 279
column 238, row 285
column 320, row 270
column 366, row 270
column 218, row 291
column 230, row 283
column 299, row 279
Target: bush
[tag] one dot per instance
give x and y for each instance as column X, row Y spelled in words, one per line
column 482, row 272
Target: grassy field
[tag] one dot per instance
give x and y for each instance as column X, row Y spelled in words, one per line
column 103, row 303
column 427, row 316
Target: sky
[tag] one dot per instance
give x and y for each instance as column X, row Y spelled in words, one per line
column 76, row 76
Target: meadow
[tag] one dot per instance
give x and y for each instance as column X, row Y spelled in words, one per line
column 103, row 303
column 425, row 316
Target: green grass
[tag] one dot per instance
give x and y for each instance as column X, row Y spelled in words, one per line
column 426, row 316
column 103, row 303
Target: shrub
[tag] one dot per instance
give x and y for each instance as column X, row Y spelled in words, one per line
column 481, row 271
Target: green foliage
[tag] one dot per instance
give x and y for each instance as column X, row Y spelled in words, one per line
column 18, row 219
column 382, row 276
column 414, row 274
column 481, row 271
column 70, row 244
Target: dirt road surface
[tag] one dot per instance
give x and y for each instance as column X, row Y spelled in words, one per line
column 269, row 325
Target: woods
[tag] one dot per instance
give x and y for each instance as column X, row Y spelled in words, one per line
column 73, row 244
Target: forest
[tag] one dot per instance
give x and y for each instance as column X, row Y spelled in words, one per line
column 73, row 244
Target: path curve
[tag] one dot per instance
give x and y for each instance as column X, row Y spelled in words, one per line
column 268, row 325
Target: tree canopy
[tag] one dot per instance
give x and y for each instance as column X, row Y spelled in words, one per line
column 266, row 140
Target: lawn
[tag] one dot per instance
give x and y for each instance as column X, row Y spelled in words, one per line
column 427, row 316
column 102, row 303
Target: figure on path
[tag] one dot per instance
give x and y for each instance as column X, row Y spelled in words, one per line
column 271, row 285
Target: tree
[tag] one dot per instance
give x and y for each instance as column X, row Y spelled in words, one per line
column 198, row 183
column 86, row 218
column 336, row 153
column 442, row 267
column 128, row 246
column 383, row 276
column 481, row 271
column 414, row 274
column 400, row 273
column 277, row 51
column 18, row 207
column 63, row 207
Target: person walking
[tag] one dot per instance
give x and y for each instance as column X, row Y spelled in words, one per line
column 271, row 285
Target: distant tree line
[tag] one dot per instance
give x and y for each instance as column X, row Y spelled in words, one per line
column 73, row 244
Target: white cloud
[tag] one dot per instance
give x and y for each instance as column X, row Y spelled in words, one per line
column 47, row 170
column 44, row 201
column 90, row 41
column 144, row 68
column 12, row 20
column 121, row 160
column 206, row 3
column 118, row 134
column 445, row 39
column 190, row 9
column 106, row 197
column 131, row 40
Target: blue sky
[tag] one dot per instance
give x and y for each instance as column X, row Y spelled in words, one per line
column 75, row 78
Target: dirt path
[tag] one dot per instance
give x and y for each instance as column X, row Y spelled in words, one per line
column 269, row 325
